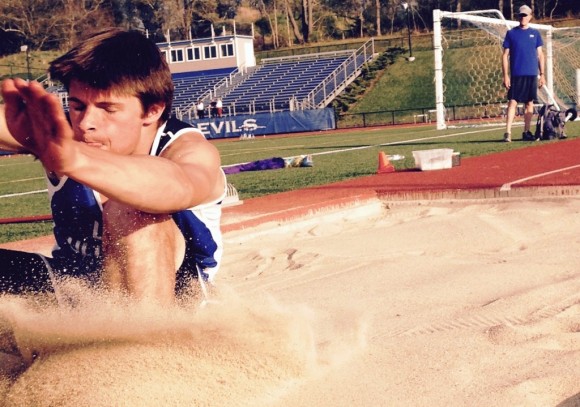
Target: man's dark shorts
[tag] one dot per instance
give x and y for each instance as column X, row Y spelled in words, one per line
column 523, row 89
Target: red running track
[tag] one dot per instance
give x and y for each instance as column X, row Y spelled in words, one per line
column 549, row 169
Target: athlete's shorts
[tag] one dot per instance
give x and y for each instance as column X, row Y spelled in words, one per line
column 23, row 272
column 523, row 89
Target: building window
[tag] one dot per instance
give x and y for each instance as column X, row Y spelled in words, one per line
column 164, row 55
column 177, row 55
column 227, row 50
column 193, row 54
column 209, row 52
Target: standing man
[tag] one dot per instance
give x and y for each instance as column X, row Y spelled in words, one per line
column 200, row 109
column 135, row 195
column 219, row 107
column 522, row 61
column 213, row 109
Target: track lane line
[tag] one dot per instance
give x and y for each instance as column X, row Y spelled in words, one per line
column 508, row 186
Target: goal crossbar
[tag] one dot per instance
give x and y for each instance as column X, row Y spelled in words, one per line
column 470, row 16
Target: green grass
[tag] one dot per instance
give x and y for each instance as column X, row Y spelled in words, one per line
column 388, row 94
column 21, row 174
column 15, row 65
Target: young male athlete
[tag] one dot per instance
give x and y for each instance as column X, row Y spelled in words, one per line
column 522, row 60
column 135, row 195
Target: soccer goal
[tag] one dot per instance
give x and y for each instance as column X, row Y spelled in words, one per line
column 468, row 76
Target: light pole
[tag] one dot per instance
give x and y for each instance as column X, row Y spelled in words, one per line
column 406, row 8
column 24, row 48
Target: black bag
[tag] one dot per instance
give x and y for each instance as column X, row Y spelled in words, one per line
column 550, row 124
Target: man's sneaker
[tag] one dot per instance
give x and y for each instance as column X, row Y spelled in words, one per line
column 507, row 137
column 528, row 136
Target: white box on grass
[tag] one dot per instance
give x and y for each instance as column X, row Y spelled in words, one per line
column 437, row 159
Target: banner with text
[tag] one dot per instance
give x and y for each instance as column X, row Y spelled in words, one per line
column 266, row 123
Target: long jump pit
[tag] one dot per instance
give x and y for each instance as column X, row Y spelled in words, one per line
column 359, row 300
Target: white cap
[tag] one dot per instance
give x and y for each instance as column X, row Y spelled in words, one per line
column 525, row 10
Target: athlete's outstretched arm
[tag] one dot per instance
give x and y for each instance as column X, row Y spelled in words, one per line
column 186, row 175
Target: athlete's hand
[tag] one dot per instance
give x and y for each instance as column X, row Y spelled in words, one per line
column 36, row 120
column 16, row 113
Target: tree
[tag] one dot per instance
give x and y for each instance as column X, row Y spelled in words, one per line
column 170, row 16
column 57, row 24
column 350, row 12
column 264, row 11
column 361, row 16
column 293, row 22
column 20, row 17
column 307, row 19
column 50, row 24
column 378, row 16
column 180, row 17
column 79, row 16
column 9, row 42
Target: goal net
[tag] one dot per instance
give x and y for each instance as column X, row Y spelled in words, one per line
column 468, row 78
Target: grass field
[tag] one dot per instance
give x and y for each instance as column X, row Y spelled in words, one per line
column 337, row 155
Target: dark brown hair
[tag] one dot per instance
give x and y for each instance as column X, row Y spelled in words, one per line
column 119, row 61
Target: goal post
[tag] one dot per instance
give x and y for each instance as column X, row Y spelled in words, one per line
column 467, row 61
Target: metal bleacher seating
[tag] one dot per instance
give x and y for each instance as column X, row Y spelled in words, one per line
column 191, row 86
column 275, row 84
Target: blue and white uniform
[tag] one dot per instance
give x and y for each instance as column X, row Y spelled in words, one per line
column 78, row 224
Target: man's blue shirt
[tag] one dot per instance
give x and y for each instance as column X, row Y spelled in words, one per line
column 523, row 45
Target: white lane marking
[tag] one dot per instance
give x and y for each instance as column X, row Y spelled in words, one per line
column 508, row 186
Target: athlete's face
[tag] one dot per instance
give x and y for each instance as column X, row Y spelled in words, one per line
column 109, row 121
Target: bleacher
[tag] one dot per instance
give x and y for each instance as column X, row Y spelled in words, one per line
column 191, row 86
column 332, row 84
column 275, row 84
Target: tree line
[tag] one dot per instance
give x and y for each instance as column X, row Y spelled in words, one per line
column 58, row 24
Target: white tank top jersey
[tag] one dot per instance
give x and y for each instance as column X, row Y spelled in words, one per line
column 78, row 224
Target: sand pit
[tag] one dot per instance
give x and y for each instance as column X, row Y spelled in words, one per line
column 459, row 303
